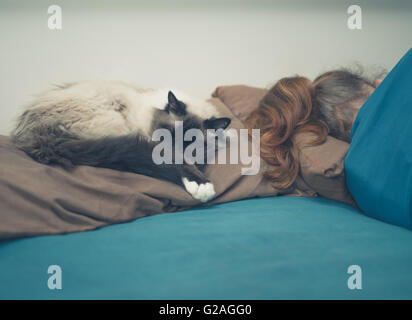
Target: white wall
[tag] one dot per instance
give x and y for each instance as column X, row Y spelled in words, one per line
column 194, row 47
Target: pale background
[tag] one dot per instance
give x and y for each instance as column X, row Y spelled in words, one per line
column 191, row 45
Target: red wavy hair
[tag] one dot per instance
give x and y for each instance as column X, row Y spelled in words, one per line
column 285, row 111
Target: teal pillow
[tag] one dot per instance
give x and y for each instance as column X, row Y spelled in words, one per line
column 379, row 161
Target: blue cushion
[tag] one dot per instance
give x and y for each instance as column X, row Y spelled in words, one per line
column 379, row 161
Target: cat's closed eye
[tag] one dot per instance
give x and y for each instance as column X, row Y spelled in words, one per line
column 120, row 107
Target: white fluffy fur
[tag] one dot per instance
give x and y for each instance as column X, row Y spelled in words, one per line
column 202, row 192
column 93, row 107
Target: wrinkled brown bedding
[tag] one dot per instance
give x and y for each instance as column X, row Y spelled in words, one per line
column 36, row 199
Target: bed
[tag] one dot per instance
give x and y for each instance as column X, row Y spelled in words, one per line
column 271, row 248
column 271, row 245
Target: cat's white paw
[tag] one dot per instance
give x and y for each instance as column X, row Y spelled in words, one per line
column 202, row 192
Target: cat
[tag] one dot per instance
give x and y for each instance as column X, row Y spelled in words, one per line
column 109, row 124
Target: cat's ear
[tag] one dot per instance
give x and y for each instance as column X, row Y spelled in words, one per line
column 217, row 123
column 174, row 105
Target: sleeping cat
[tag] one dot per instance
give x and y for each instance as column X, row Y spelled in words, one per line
column 110, row 124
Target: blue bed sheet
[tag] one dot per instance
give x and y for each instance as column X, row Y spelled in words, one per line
column 272, row 248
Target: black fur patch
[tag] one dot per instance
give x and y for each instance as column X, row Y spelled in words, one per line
column 175, row 106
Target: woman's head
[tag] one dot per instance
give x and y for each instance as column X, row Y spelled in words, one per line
column 339, row 95
column 295, row 105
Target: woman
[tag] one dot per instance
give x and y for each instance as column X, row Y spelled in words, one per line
column 296, row 106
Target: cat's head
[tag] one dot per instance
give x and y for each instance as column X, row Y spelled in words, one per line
column 177, row 116
column 178, row 110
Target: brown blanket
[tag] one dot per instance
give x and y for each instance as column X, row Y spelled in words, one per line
column 36, row 199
